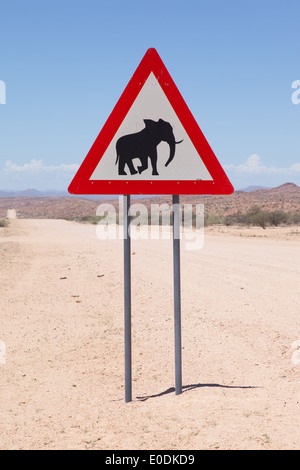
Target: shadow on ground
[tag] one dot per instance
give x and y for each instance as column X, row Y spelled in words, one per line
column 186, row 388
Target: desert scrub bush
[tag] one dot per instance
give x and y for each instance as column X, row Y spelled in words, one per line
column 258, row 217
column 89, row 219
column 278, row 217
column 294, row 218
column 3, row 223
column 213, row 219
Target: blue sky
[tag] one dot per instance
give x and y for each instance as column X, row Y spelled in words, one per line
column 65, row 64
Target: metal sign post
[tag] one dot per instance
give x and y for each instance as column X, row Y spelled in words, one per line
column 127, row 298
column 177, row 297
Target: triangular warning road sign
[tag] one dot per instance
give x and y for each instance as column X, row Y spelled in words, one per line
column 151, row 143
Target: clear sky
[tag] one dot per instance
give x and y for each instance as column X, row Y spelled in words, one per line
column 65, row 63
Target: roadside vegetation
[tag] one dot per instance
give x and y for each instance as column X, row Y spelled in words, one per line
column 255, row 216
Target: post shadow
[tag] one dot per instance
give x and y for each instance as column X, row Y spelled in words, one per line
column 186, row 388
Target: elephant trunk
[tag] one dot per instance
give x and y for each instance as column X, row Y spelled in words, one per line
column 172, row 144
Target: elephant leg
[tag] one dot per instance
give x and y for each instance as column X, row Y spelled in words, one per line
column 122, row 163
column 121, row 169
column 153, row 158
column 131, row 167
column 144, row 165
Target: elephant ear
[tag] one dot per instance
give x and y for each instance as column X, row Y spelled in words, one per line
column 149, row 123
column 161, row 121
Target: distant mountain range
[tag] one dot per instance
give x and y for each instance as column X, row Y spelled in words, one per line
column 55, row 193
column 249, row 189
column 35, row 193
column 283, row 188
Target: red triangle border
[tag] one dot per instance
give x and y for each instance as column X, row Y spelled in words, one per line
column 81, row 183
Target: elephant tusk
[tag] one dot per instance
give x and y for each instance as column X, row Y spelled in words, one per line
column 179, row 142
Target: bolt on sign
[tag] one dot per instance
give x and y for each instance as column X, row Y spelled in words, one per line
column 151, row 143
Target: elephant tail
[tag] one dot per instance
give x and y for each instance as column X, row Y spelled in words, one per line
column 117, row 159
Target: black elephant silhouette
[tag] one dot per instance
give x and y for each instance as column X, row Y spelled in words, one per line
column 143, row 145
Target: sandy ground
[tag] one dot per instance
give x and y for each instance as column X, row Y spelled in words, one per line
column 61, row 325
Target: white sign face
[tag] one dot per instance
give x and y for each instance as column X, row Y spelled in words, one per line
column 148, row 121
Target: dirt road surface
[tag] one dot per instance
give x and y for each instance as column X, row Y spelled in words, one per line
column 61, row 322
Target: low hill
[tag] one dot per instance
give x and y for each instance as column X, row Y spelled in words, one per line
column 282, row 198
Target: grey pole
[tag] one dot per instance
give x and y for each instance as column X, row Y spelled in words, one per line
column 127, row 298
column 177, row 299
